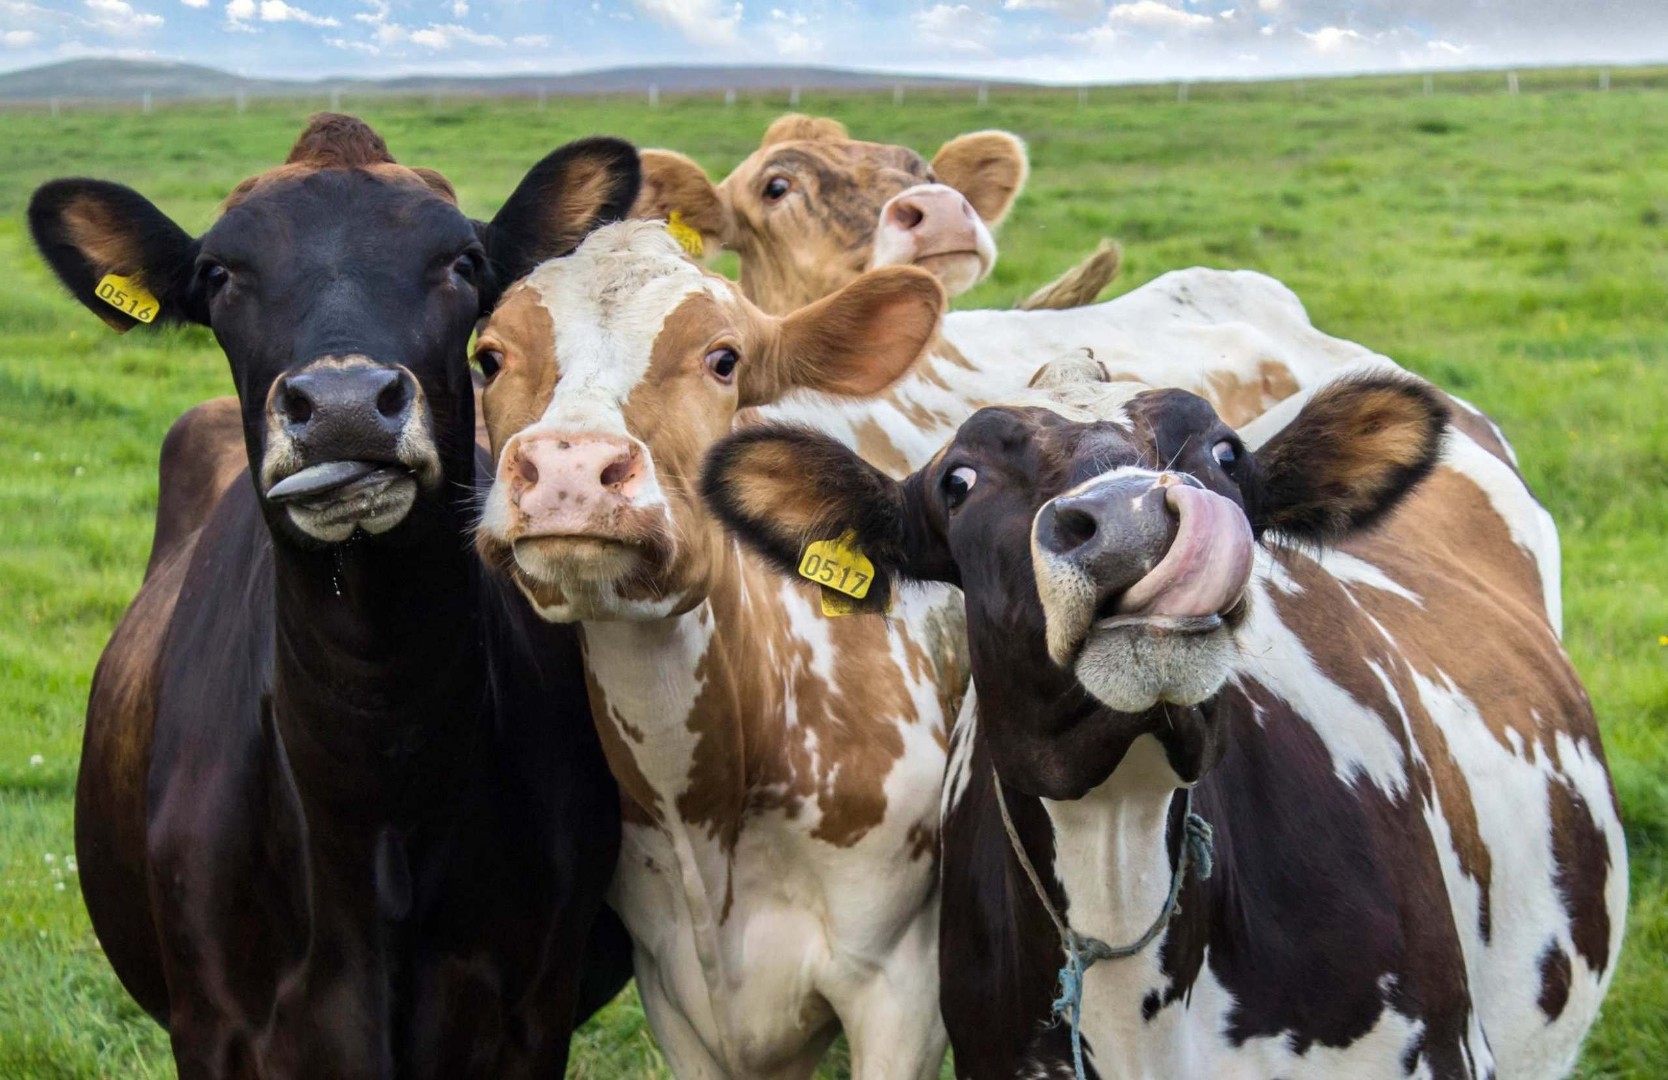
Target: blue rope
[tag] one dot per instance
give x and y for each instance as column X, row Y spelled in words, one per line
column 1083, row 951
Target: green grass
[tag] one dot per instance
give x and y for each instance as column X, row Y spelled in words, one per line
column 1514, row 249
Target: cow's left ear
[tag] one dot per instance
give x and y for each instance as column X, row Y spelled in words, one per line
column 676, row 190
column 782, row 488
column 854, row 343
column 588, row 182
column 1349, row 456
column 116, row 253
column 988, row 167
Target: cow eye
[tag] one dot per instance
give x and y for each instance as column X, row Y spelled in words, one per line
column 722, row 364
column 776, row 187
column 214, row 277
column 490, row 362
column 1225, row 453
column 467, row 266
column 957, row 483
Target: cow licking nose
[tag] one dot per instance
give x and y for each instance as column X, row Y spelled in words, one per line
column 349, row 444
column 933, row 226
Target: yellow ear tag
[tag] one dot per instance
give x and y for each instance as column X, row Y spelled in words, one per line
column 687, row 236
column 128, row 296
column 838, row 565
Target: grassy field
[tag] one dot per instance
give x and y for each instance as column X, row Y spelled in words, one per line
column 1514, row 249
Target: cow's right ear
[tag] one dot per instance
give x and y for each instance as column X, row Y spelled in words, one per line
column 124, row 259
column 676, row 190
column 587, row 183
column 989, row 169
column 781, row 488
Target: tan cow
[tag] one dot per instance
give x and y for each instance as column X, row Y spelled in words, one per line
column 781, row 767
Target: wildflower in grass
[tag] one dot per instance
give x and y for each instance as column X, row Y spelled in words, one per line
column 36, row 761
column 71, row 865
column 59, row 886
column 51, row 858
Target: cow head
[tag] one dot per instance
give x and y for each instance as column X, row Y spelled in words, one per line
column 343, row 288
column 611, row 372
column 812, row 208
column 1104, row 555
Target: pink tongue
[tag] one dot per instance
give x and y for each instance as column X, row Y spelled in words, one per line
column 1207, row 566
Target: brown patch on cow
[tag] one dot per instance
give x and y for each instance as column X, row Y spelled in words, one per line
column 987, row 167
column 523, row 332
column 1239, row 401
column 942, row 349
column 793, row 127
column 1480, row 431
column 106, row 242
column 922, row 840
column 1581, row 860
column 1555, row 981
column 878, row 449
column 1450, row 549
column 202, row 454
column 639, row 802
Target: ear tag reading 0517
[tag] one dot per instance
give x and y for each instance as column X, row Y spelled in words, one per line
column 128, row 296
column 838, row 565
column 687, row 236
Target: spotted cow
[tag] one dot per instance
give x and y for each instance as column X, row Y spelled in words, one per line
column 1325, row 635
column 780, row 766
column 341, row 811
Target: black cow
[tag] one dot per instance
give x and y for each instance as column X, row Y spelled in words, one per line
column 1418, row 865
column 341, row 811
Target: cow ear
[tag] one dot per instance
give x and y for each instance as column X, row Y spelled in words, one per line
column 124, row 259
column 988, row 167
column 781, row 488
column 588, row 182
column 1349, row 456
column 676, row 190
column 797, row 127
column 854, row 343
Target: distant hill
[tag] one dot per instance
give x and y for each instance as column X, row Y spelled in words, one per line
column 127, row 80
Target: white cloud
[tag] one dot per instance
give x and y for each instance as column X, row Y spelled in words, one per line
column 356, row 46
column 705, row 22
column 1331, row 39
column 797, row 44
column 460, row 8
column 277, row 11
column 441, row 36
column 239, row 10
column 531, row 41
column 958, row 27
column 792, row 18
column 18, row 39
column 1153, row 15
column 1070, row 9
column 195, row 3
column 116, row 16
column 1447, row 48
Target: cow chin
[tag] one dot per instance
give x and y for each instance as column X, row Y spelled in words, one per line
column 1133, row 667
column 374, row 508
column 958, row 270
column 573, row 578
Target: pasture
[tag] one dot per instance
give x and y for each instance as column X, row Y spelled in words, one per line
column 1512, row 248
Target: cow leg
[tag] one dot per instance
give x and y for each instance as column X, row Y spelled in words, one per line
column 686, row 1053
column 892, row 1022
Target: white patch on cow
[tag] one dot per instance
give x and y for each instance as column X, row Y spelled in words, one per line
column 962, row 738
column 1351, row 570
column 1528, row 521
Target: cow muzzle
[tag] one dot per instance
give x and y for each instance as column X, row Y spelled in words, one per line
column 1138, row 575
column 583, row 508
column 348, row 447
column 933, row 226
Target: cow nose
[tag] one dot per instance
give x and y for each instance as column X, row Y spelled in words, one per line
column 929, row 208
column 1114, row 532
column 553, row 477
column 355, row 403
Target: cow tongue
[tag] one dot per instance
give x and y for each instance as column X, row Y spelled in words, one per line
column 1207, row 566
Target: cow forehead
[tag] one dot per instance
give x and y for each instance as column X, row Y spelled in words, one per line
column 607, row 304
column 840, row 158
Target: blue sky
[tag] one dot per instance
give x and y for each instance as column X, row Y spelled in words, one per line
column 1048, row 40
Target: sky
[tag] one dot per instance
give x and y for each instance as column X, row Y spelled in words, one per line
column 1059, row 41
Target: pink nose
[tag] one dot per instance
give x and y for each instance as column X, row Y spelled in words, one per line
column 931, row 210
column 565, row 483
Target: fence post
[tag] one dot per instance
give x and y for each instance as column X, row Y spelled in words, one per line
column 146, row 102
column 242, row 101
column 897, row 94
column 1181, row 93
column 1604, row 80
column 1082, row 96
column 730, row 98
column 793, row 97
column 541, row 95
column 1430, row 84
column 54, row 108
column 984, row 94
column 654, row 95
column 335, row 99
column 1511, row 83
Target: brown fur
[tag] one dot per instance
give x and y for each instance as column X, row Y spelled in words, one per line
column 989, row 167
column 1082, row 284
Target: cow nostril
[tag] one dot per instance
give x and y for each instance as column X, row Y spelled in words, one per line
column 1072, row 529
column 393, row 399
column 525, row 470
column 907, row 215
column 296, row 406
column 619, row 470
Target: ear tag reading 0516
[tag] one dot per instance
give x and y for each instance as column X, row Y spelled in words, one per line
column 687, row 236
column 128, row 296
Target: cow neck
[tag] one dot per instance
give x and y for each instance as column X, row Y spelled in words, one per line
column 377, row 673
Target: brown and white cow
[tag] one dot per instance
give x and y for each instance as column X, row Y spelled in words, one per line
column 1419, row 868
column 781, row 767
